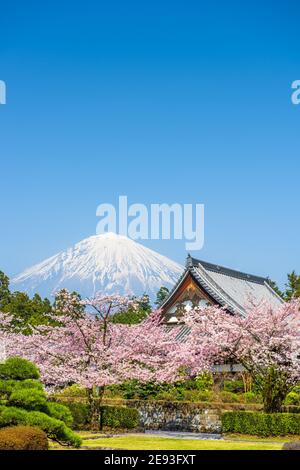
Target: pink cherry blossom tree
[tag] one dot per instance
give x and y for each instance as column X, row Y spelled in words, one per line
column 266, row 342
column 90, row 350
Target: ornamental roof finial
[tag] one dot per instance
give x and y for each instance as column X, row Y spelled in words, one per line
column 189, row 261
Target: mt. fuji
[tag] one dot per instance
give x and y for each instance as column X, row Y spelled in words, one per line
column 109, row 263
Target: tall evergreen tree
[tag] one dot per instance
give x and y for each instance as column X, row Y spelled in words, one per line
column 161, row 295
column 26, row 313
column 4, row 290
column 292, row 286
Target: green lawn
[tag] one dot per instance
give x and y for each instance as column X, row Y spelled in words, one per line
column 247, row 437
column 141, row 442
column 161, row 443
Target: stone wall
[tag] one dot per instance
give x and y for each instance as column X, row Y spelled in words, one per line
column 176, row 416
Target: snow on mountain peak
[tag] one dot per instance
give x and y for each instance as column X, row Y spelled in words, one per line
column 109, row 263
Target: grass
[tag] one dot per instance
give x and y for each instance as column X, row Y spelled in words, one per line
column 161, row 443
column 248, row 437
column 143, row 442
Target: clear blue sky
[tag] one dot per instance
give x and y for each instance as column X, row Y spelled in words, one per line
column 181, row 101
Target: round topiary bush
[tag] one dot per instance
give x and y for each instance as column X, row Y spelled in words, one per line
column 25, row 403
column 292, row 398
column 23, row 438
column 17, row 368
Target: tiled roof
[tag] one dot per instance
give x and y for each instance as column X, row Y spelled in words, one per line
column 232, row 289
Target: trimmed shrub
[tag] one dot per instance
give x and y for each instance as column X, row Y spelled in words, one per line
column 115, row 417
column 24, row 402
column 292, row 398
column 28, row 384
column 23, row 438
column 8, row 386
column 54, row 428
column 62, row 412
column 17, row 368
column 119, row 417
column 29, row 399
column 261, row 424
column 80, row 412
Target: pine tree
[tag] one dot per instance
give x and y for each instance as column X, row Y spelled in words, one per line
column 292, row 286
column 161, row 295
column 26, row 313
column 4, row 290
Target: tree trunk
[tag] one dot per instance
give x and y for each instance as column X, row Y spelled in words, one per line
column 100, row 398
column 94, row 397
column 247, row 381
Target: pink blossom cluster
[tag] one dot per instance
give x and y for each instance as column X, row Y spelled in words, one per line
column 92, row 351
column 262, row 339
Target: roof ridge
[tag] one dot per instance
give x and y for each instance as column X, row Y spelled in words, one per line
column 228, row 271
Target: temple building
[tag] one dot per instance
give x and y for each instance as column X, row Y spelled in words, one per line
column 203, row 284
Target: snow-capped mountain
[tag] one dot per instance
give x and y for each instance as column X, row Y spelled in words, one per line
column 108, row 263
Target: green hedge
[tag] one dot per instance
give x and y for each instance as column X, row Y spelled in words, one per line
column 119, row 417
column 115, row 417
column 80, row 412
column 261, row 424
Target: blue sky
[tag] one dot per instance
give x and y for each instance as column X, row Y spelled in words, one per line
column 162, row 101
